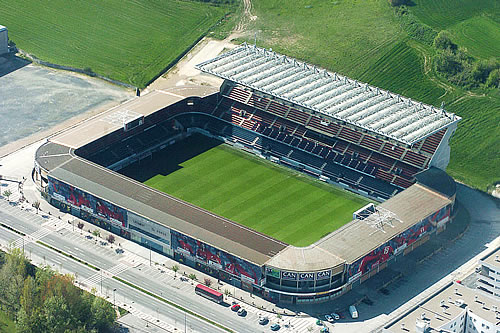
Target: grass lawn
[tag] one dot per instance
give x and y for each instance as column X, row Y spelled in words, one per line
column 126, row 40
column 364, row 40
column 271, row 199
column 6, row 324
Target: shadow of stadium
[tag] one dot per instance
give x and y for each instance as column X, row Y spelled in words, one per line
column 170, row 159
column 11, row 63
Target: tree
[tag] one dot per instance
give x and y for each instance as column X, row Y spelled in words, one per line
column 103, row 314
column 207, row 282
column 227, row 292
column 111, row 239
column 29, row 297
column 396, row 3
column 36, row 205
column 192, row 276
column 12, row 275
column 96, row 233
column 7, row 193
column 493, row 79
column 56, row 315
column 80, row 226
column 175, row 268
column 443, row 41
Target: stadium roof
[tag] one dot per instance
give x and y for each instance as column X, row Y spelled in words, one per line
column 359, row 237
column 113, row 119
column 331, row 94
column 170, row 211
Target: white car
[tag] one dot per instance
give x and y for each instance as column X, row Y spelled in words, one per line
column 329, row 318
column 335, row 316
column 354, row 312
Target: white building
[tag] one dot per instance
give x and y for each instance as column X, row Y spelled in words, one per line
column 4, row 40
column 454, row 308
column 489, row 274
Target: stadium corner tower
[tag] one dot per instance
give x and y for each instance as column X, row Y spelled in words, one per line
column 363, row 139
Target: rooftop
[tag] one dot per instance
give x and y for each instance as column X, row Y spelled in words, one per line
column 491, row 258
column 330, row 94
column 444, row 306
column 113, row 119
column 360, row 237
column 404, row 210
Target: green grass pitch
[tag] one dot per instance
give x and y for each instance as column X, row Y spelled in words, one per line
column 126, row 40
column 271, row 199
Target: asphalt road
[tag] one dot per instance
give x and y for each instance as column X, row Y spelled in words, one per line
column 148, row 278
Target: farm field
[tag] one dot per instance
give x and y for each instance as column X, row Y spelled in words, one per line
column 479, row 35
column 256, row 193
column 126, row 40
column 366, row 41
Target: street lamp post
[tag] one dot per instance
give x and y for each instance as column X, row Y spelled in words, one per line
column 114, row 300
column 149, row 246
column 101, row 281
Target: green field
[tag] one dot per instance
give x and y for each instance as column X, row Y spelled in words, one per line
column 126, row 40
column 271, row 199
column 366, row 41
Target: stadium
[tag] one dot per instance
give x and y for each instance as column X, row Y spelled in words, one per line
column 385, row 152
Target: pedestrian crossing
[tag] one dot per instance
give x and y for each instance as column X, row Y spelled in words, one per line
column 33, row 237
column 155, row 321
column 105, row 274
column 292, row 324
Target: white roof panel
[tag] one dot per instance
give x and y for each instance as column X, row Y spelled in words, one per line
column 331, row 94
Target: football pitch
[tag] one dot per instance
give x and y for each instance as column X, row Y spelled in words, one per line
column 271, row 199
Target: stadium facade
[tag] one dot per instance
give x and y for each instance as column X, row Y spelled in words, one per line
column 340, row 131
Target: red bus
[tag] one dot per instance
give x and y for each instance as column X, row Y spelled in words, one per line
column 209, row 293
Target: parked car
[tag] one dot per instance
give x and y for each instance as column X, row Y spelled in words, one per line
column 235, row 307
column 263, row 320
column 335, row 316
column 353, row 311
column 275, row 327
column 242, row 312
column 329, row 318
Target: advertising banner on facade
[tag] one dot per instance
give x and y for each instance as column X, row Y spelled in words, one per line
column 149, row 228
column 391, row 248
column 273, row 272
column 81, row 200
column 306, row 276
column 288, row 275
column 323, row 275
column 214, row 257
